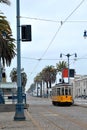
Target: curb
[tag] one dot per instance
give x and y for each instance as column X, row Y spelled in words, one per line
column 10, row 107
column 80, row 105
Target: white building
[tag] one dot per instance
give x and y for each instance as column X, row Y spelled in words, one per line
column 80, row 86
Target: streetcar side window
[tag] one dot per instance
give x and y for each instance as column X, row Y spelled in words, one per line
column 58, row 91
column 62, row 91
column 66, row 91
column 69, row 91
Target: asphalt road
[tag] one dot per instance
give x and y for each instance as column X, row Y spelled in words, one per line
column 45, row 116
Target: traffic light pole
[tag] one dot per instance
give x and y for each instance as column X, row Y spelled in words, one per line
column 68, row 55
column 19, row 114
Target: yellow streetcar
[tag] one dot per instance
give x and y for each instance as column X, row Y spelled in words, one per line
column 62, row 94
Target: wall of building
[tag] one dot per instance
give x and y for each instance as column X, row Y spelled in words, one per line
column 80, row 86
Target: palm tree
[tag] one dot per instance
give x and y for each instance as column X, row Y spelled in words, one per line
column 38, row 81
column 13, row 76
column 23, row 80
column 61, row 65
column 7, row 47
column 32, row 88
column 5, row 1
column 49, row 76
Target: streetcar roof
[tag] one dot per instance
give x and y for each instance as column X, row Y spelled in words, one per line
column 62, row 85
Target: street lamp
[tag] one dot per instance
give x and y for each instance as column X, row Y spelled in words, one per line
column 85, row 34
column 19, row 114
column 68, row 56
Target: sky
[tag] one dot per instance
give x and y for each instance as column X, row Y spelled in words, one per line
column 57, row 27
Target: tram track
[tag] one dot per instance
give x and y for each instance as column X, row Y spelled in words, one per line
column 66, row 117
column 52, row 122
column 45, row 116
column 37, row 123
column 48, row 115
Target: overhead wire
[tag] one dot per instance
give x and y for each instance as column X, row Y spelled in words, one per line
column 54, row 21
column 54, row 36
column 54, row 59
column 74, row 10
column 61, row 26
column 40, row 19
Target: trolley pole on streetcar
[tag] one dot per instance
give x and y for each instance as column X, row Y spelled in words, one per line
column 68, row 56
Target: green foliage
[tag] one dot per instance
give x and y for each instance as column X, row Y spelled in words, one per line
column 48, row 75
column 32, row 88
column 38, row 78
column 7, row 46
column 5, row 2
column 61, row 65
column 13, row 76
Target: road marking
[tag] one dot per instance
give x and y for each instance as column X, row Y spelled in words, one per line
column 50, row 114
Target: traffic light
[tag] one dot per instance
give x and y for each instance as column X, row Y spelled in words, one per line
column 65, row 73
column 71, row 73
column 26, row 33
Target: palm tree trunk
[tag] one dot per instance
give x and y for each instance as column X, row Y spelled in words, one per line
column 37, row 89
column 41, row 89
column 50, row 84
column 0, row 70
column 47, row 88
column 1, row 93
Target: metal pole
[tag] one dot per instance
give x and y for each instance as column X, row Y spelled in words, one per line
column 19, row 114
column 68, row 55
column 68, row 69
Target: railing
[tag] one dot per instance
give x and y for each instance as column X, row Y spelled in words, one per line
column 11, row 99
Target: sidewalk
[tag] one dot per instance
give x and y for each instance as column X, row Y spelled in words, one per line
column 7, row 122
column 80, row 102
column 7, row 119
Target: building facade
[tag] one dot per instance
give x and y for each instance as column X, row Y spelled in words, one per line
column 80, row 86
